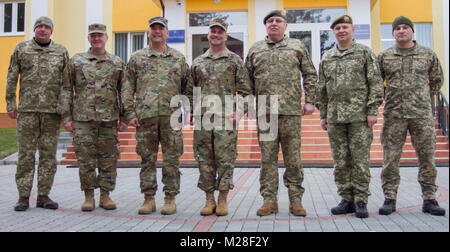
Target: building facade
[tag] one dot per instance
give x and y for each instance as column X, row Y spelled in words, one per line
column 308, row 20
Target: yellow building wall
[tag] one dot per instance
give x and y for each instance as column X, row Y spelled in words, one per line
column 209, row 5
column 69, row 18
column 417, row 10
column 129, row 16
column 291, row 4
column 7, row 44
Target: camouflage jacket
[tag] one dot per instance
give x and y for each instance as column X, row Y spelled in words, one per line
column 220, row 74
column 41, row 76
column 155, row 78
column 276, row 68
column 410, row 81
column 92, row 89
column 350, row 85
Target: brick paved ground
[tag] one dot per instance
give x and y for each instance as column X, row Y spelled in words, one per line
column 244, row 200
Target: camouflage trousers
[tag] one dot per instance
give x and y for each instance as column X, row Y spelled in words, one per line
column 215, row 152
column 289, row 137
column 97, row 145
column 423, row 138
column 36, row 131
column 152, row 132
column 350, row 145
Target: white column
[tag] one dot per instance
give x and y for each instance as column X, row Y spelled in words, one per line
column 262, row 8
column 94, row 14
column 38, row 9
column 359, row 10
column 176, row 16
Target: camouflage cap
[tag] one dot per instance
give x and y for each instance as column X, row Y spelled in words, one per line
column 43, row 21
column 97, row 28
column 345, row 19
column 219, row 22
column 275, row 13
column 158, row 20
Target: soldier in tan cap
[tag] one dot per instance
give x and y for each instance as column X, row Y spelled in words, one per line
column 89, row 106
column 219, row 73
column 38, row 123
column 156, row 74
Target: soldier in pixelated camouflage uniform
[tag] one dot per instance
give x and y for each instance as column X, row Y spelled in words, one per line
column 218, row 72
column 156, row 74
column 412, row 73
column 40, row 63
column 89, row 105
column 351, row 91
column 276, row 66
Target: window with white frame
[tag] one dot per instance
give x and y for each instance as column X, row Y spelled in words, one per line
column 12, row 18
column 423, row 35
column 127, row 43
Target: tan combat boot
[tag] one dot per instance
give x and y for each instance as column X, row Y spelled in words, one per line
column 89, row 201
column 296, row 208
column 149, row 205
column 169, row 205
column 105, row 201
column 222, row 207
column 210, row 206
column 267, row 209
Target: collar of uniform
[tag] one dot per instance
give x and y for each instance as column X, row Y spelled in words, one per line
column 338, row 53
column 91, row 56
column 412, row 51
column 224, row 54
column 165, row 53
column 282, row 42
column 37, row 47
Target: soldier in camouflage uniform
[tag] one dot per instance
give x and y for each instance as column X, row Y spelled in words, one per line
column 412, row 73
column 89, row 107
column 218, row 72
column 350, row 91
column 156, row 74
column 276, row 66
column 40, row 63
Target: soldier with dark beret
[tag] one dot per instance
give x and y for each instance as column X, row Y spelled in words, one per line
column 413, row 74
column 350, row 90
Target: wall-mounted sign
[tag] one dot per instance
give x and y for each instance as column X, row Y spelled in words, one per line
column 362, row 31
column 176, row 36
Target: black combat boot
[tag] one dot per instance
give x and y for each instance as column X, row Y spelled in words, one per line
column 344, row 207
column 432, row 207
column 22, row 205
column 44, row 201
column 361, row 210
column 388, row 207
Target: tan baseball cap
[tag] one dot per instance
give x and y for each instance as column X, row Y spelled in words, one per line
column 97, row 28
column 158, row 20
column 219, row 22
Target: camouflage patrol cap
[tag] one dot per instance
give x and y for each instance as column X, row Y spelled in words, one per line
column 275, row 13
column 345, row 19
column 97, row 28
column 43, row 21
column 158, row 20
column 219, row 22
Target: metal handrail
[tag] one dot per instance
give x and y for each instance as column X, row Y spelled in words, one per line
column 440, row 110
